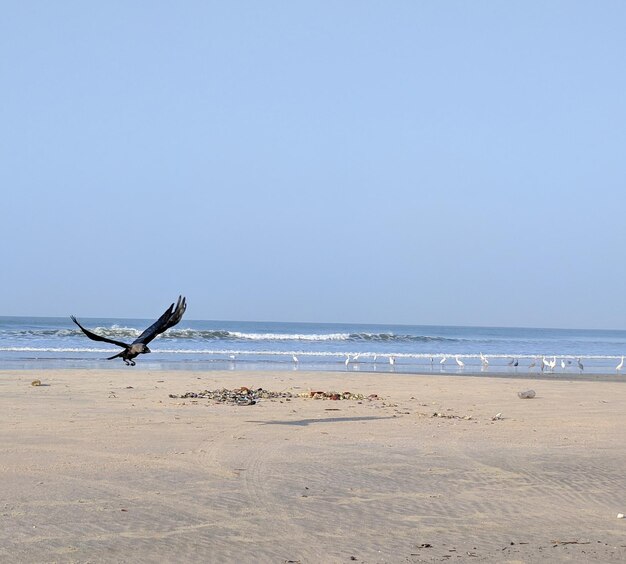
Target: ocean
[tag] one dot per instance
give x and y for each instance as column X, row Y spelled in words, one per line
column 49, row 342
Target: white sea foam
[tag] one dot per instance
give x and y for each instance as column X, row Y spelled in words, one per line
column 290, row 336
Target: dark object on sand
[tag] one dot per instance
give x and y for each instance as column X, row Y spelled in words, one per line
column 139, row 346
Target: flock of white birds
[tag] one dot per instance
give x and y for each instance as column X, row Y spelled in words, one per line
column 544, row 363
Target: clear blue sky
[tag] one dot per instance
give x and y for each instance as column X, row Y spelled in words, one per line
column 395, row 162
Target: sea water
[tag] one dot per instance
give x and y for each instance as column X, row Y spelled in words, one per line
column 47, row 342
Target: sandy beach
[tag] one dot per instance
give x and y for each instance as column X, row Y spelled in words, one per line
column 105, row 466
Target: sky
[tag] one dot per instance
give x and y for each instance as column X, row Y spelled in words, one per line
column 442, row 163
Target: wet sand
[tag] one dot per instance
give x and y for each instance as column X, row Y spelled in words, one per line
column 104, row 466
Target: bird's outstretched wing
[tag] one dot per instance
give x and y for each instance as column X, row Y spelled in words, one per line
column 95, row 337
column 170, row 318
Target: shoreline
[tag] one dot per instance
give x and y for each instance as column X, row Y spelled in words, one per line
column 252, row 367
column 103, row 465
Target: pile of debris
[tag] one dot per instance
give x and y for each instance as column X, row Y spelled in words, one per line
column 249, row 396
column 337, row 396
column 238, row 396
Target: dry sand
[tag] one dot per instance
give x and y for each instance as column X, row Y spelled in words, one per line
column 103, row 466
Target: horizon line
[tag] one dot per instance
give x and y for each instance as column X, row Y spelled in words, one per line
column 456, row 326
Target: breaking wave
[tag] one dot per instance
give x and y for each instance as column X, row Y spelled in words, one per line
column 120, row 332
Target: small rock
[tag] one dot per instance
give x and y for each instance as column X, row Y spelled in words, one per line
column 245, row 401
column 528, row 394
column 620, row 515
column 36, row 383
column 497, row 417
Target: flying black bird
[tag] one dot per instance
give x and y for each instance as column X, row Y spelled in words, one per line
column 139, row 346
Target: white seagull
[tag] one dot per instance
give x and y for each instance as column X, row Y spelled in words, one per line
column 459, row 361
column 295, row 358
column 483, row 360
column 443, row 360
column 392, row 360
column 620, row 365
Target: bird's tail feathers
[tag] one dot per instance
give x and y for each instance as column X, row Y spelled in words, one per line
column 115, row 356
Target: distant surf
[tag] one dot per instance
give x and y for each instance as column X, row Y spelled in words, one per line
column 124, row 332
